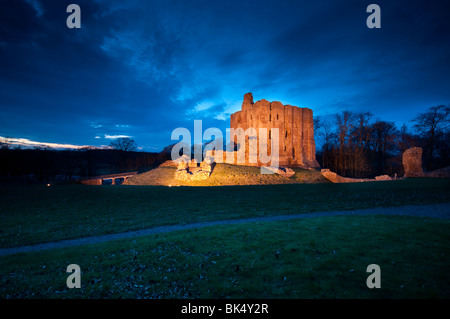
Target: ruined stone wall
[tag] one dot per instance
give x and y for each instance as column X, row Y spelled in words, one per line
column 295, row 126
column 412, row 162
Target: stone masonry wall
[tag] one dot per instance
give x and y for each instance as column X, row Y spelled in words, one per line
column 295, row 125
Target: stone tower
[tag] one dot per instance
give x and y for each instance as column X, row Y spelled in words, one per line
column 296, row 129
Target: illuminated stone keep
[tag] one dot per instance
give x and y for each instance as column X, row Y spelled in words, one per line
column 295, row 126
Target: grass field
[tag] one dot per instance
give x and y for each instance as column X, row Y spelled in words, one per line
column 34, row 214
column 323, row 257
column 314, row 258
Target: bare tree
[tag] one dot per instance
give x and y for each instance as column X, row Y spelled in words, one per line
column 344, row 123
column 323, row 131
column 362, row 130
column 124, row 144
column 432, row 125
column 404, row 139
column 383, row 136
column 359, row 162
column 5, row 143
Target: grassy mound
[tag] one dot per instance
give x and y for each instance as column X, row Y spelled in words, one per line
column 227, row 174
column 316, row 258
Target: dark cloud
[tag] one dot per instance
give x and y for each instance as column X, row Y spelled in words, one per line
column 143, row 68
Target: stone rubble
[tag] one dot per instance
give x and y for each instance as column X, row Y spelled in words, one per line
column 189, row 170
column 335, row 178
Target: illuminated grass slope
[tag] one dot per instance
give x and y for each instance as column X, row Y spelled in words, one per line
column 227, row 174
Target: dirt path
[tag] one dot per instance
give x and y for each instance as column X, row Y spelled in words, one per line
column 432, row 211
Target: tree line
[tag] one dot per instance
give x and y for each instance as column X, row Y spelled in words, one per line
column 357, row 145
column 352, row 145
column 42, row 165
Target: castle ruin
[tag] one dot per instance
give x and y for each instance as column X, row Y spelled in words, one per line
column 295, row 130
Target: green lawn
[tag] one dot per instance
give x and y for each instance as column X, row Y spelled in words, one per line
column 323, row 257
column 33, row 214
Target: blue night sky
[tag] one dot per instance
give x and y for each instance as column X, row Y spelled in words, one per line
column 144, row 68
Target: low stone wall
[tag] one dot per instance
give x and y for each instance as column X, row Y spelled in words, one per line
column 442, row 172
column 188, row 176
column 283, row 171
column 335, row 178
column 188, row 170
column 97, row 181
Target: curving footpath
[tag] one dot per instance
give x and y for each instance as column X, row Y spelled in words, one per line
column 431, row 211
